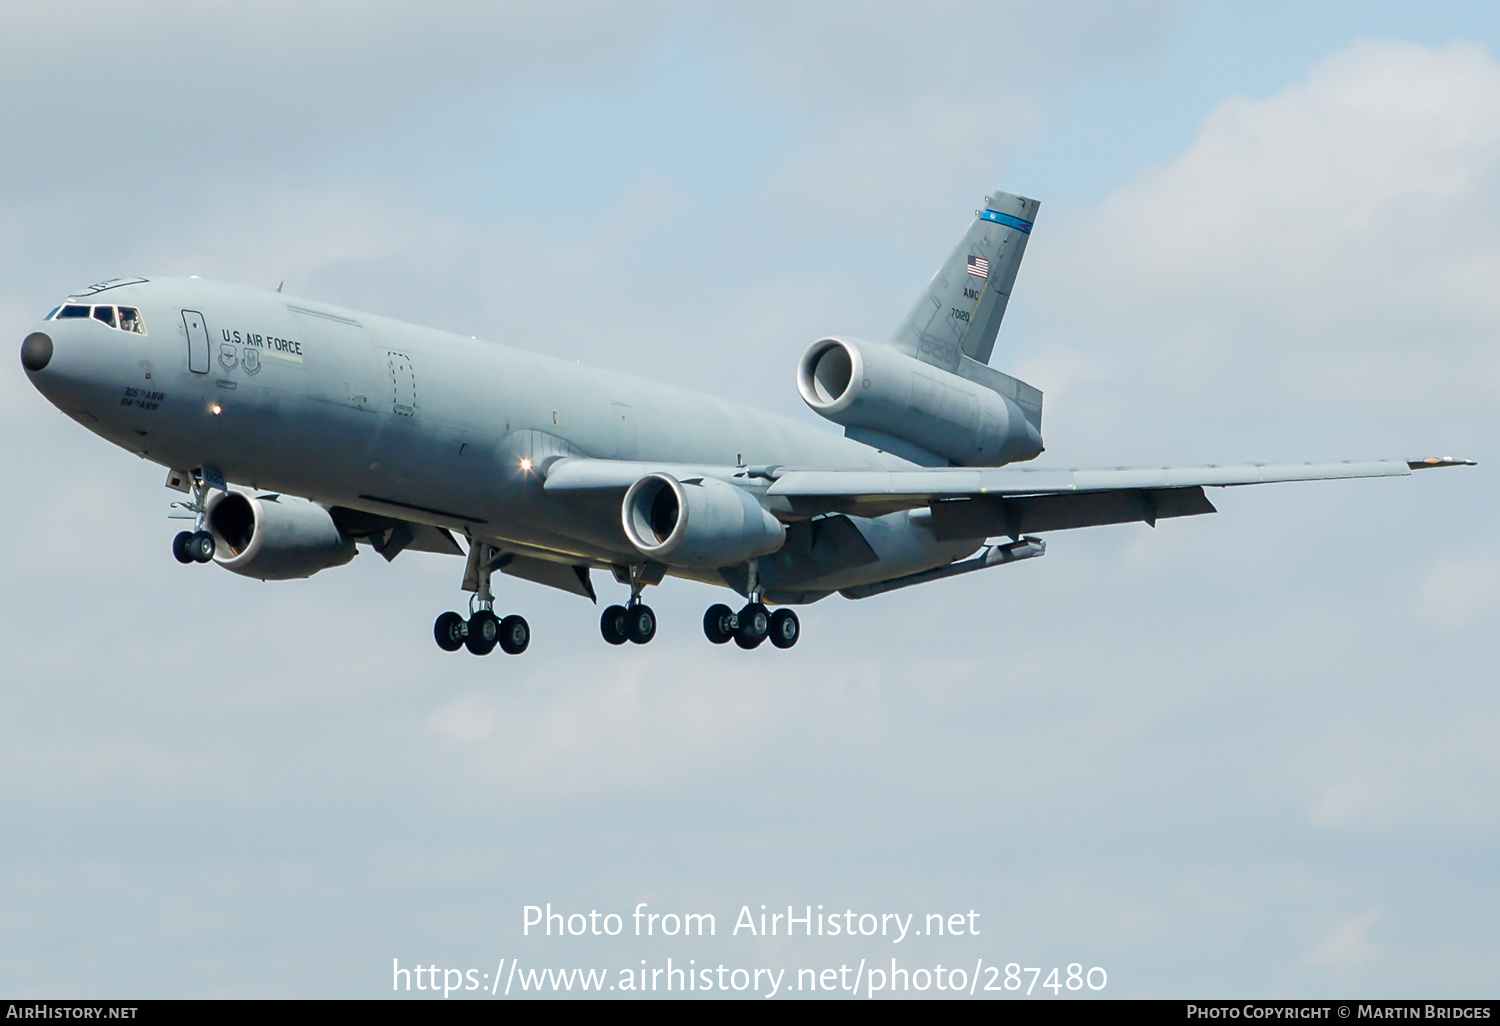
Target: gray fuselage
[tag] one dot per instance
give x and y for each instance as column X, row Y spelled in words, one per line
column 349, row 409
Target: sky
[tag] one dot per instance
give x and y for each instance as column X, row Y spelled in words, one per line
column 1252, row 755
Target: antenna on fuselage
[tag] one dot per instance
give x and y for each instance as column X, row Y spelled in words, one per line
column 279, row 284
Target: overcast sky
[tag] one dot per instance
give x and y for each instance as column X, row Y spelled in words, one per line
column 1250, row 754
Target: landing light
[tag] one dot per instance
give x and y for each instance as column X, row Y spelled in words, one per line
column 216, row 409
column 526, row 465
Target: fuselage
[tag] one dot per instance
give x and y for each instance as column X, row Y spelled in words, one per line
column 296, row 396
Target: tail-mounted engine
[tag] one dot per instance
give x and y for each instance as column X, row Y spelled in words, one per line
column 875, row 389
column 699, row 523
column 274, row 537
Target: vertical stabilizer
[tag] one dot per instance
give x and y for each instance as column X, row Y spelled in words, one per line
column 959, row 314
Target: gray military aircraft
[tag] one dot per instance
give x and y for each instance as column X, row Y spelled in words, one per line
column 340, row 428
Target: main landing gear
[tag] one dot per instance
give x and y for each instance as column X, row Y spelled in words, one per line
column 483, row 631
column 197, row 545
column 634, row 621
column 753, row 624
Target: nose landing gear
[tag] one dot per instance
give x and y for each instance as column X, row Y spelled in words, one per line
column 483, row 631
column 193, row 547
column 197, row 545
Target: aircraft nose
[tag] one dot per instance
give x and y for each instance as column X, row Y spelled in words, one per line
column 36, row 351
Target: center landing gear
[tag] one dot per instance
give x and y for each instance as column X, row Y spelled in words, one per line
column 753, row 624
column 634, row 622
column 197, row 545
column 483, row 631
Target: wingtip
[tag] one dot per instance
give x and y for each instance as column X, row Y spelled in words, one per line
column 1440, row 461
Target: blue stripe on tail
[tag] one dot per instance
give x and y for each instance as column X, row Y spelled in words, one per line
column 1007, row 220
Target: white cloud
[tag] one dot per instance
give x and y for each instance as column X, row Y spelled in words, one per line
column 1362, row 792
column 1335, row 243
column 1457, row 592
column 1347, row 946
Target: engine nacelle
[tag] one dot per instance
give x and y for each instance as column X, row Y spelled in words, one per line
column 274, row 537
column 876, row 388
column 700, row 523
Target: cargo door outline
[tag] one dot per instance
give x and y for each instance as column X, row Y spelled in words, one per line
column 197, row 334
column 403, row 385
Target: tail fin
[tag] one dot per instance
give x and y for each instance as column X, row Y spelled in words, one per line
column 959, row 314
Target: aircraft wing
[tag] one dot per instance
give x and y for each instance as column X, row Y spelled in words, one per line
column 987, row 501
column 981, row 502
column 582, row 474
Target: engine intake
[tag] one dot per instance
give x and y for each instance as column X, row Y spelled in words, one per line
column 873, row 388
column 700, row 523
column 274, row 537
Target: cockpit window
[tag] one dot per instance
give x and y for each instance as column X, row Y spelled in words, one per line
column 125, row 318
column 52, row 314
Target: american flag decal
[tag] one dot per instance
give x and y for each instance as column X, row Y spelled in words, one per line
column 979, row 267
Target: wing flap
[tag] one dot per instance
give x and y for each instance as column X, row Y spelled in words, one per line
column 390, row 537
column 989, row 516
column 563, row 576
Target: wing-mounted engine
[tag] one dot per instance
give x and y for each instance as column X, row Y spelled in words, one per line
column 698, row 522
column 879, row 394
column 274, row 537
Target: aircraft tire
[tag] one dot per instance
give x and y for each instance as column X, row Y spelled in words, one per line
column 715, row 621
column 755, row 624
column 785, row 628
column 612, row 625
column 515, row 635
column 180, row 547
column 202, row 546
column 640, row 624
column 449, row 632
column 484, row 631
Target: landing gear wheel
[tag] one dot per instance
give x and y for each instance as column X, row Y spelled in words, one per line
column 449, row 632
column 640, row 624
column 201, row 547
column 484, row 631
column 612, row 625
column 716, row 623
column 785, row 630
column 755, row 624
column 515, row 635
column 180, row 547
